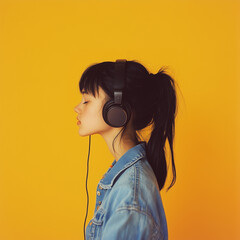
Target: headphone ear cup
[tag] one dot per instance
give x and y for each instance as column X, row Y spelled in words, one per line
column 128, row 110
column 115, row 115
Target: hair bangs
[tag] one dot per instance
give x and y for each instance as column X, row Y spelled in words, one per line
column 90, row 81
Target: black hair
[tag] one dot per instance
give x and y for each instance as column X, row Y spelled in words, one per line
column 153, row 100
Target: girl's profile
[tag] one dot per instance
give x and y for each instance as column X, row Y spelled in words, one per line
column 128, row 201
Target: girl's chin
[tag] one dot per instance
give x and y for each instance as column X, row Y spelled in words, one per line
column 86, row 134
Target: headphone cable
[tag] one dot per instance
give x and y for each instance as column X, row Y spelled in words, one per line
column 86, row 187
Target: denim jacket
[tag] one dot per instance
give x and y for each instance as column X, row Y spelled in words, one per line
column 128, row 201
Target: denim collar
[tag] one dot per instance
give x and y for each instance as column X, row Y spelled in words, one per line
column 127, row 159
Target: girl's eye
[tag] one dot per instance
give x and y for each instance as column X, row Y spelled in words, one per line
column 85, row 102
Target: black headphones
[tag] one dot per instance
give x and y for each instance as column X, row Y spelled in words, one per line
column 115, row 113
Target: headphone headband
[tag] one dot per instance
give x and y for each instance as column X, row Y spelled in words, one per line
column 120, row 65
column 119, row 80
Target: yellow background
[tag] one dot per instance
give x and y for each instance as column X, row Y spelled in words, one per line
column 44, row 48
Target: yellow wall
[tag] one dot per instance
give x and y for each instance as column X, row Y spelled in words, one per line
column 44, row 48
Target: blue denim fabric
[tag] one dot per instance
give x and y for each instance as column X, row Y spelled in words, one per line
column 128, row 201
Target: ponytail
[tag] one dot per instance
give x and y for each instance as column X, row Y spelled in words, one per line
column 163, row 126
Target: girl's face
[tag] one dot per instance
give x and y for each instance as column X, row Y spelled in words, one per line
column 90, row 114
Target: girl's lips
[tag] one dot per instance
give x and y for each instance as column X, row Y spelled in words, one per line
column 78, row 122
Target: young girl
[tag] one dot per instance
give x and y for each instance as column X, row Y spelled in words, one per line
column 128, row 201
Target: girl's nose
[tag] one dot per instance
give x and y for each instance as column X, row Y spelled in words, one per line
column 76, row 109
